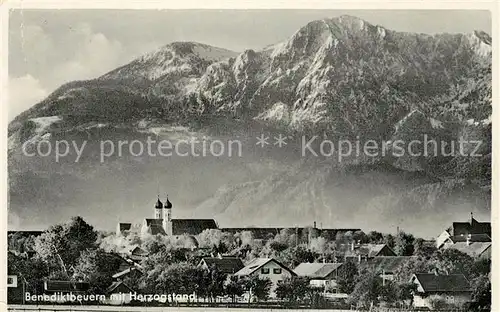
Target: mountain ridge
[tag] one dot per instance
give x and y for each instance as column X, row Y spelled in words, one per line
column 338, row 78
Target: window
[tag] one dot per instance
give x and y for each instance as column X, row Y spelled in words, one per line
column 277, row 270
column 264, row 270
column 12, row 281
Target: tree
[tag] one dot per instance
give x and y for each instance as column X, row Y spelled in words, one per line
column 180, row 278
column 404, row 291
column 403, row 244
column 423, row 249
column 62, row 244
column 481, row 266
column 215, row 237
column 360, row 236
column 453, row 261
column 375, row 237
column 298, row 289
column 216, row 283
column 389, row 240
column 297, row 255
column 258, row 287
column 368, row 290
column 287, row 236
column 319, row 245
column 278, row 246
column 413, row 265
column 347, row 274
column 292, row 289
column 481, row 294
column 21, row 244
column 31, row 270
column 96, row 267
column 235, row 287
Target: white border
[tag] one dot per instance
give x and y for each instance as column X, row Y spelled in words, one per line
column 492, row 6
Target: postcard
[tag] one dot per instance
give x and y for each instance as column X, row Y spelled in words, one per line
column 234, row 158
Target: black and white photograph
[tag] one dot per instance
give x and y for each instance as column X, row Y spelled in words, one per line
column 249, row 159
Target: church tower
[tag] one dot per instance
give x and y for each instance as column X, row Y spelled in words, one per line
column 158, row 209
column 167, row 217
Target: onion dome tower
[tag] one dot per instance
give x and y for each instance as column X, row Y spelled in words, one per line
column 158, row 209
column 167, row 217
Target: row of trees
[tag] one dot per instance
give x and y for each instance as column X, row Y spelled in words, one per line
column 67, row 251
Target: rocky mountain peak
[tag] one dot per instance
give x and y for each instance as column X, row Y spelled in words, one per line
column 177, row 57
column 481, row 43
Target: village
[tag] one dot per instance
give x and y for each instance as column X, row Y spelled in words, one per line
column 203, row 264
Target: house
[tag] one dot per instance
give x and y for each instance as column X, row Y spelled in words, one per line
column 118, row 293
column 227, row 265
column 473, row 249
column 365, row 252
column 471, row 238
column 122, row 228
column 266, row 268
column 463, row 229
column 385, row 267
column 454, row 289
column 447, row 240
column 321, row 274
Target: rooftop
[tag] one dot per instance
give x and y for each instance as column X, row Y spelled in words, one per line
column 316, row 270
column 472, row 249
column 472, row 238
column 256, row 264
column 431, row 282
column 192, row 226
column 367, row 250
column 228, row 265
column 385, row 264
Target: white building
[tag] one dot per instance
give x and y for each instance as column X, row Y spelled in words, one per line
column 266, row 268
column 453, row 289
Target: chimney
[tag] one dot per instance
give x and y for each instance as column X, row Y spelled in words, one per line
column 314, row 224
column 471, row 218
column 467, row 240
column 359, row 258
column 352, row 246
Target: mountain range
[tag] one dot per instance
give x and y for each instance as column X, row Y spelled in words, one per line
column 338, row 78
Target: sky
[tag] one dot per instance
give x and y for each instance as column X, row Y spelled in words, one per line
column 48, row 48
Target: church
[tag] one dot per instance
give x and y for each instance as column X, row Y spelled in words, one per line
column 163, row 223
